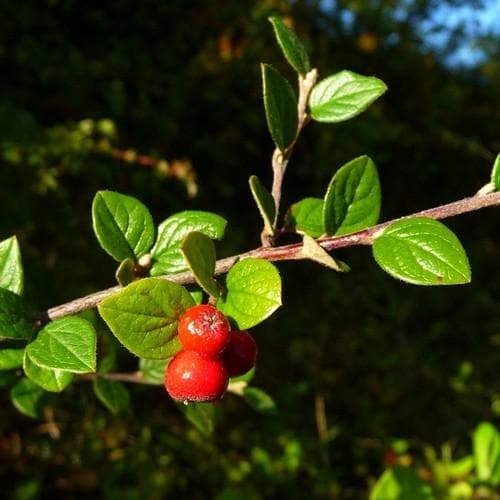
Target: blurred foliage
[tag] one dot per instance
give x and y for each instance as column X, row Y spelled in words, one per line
column 353, row 362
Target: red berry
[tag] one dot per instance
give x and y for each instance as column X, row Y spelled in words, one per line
column 240, row 354
column 204, row 329
column 192, row 377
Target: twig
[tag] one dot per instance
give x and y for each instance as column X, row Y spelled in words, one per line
column 285, row 252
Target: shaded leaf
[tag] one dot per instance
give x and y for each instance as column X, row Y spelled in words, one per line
column 201, row 415
column 259, row 400
column 153, row 370
column 11, row 357
column 11, row 267
column 401, row 484
column 47, row 379
column 125, row 273
column 27, row 397
column 112, row 394
column 306, row 217
column 264, row 201
column 314, row 251
column 14, row 322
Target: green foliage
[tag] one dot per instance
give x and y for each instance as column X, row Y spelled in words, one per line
column 495, row 174
column 112, row 394
column 259, row 400
column 486, row 448
column 27, row 397
column 48, row 379
column 311, row 249
column 13, row 317
column 10, row 356
column 306, row 216
column 265, row 203
column 201, row 415
column 125, row 272
column 153, row 370
column 401, row 484
column 11, row 267
column 422, row 251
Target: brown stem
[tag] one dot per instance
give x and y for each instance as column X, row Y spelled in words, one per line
column 285, row 252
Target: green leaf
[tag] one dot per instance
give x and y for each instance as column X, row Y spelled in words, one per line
column 13, row 317
column 123, row 225
column 201, row 415
column 253, row 292
column 495, row 174
column 292, row 48
column 47, row 379
column 306, row 217
column 11, row 357
column 144, row 316
column 264, row 201
column 112, row 394
column 343, row 96
column 11, row 267
column 199, row 252
column 7, row 378
column 280, row 105
column 311, row 249
column 422, row 251
column 462, row 467
column 401, row 484
column 352, row 200
column 486, row 448
column 153, row 370
column 197, row 296
column 27, row 396
column 166, row 253
column 67, row 344
column 125, row 272
column 259, row 400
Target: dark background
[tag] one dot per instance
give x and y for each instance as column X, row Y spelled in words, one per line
column 180, row 80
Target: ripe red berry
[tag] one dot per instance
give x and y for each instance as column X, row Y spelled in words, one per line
column 240, row 354
column 204, row 329
column 190, row 376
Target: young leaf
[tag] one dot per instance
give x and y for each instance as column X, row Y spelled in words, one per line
column 11, row 357
column 486, row 447
column 153, row 370
column 144, row 316
column 125, row 272
column 495, row 174
column 401, row 483
column 292, row 48
column 352, row 200
column 280, row 105
column 67, row 344
column 314, row 251
column 343, row 96
column 13, row 317
column 47, row 379
column 201, row 415
column 26, row 396
column 199, row 252
column 123, row 225
column 197, row 296
column 112, row 394
column 259, row 400
column 422, row 251
column 253, row 292
column 166, row 253
column 265, row 202
column 11, row 267
column 306, row 217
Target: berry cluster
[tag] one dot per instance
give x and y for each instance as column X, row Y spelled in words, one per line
column 211, row 354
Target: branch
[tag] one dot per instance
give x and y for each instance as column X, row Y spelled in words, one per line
column 285, row 252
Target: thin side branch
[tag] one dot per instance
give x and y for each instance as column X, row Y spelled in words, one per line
column 285, row 252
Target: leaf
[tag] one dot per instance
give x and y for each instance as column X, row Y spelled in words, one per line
column 265, row 203
column 123, row 225
column 352, row 200
column 343, row 95
column 112, row 394
column 314, row 251
column 67, row 344
column 197, row 296
column 199, row 252
column 306, row 217
column 153, row 370
column 11, row 267
column 47, row 379
column 259, row 400
column 292, row 48
column 11, row 357
column 144, row 316
column 253, row 292
column 26, row 396
column 201, row 415
column 495, row 174
column 462, row 467
column 13, row 317
column 422, row 251
column 125, row 272
column 280, row 105
column 401, row 484
column 486, row 448
column 166, row 253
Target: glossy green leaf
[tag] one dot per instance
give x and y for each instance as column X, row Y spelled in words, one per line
column 123, row 225
column 125, row 272
column 11, row 357
column 495, row 174
column 144, row 316
column 401, row 484
column 166, row 253
column 199, row 252
column 201, row 415
column 422, row 251
column 306, row 217
column 312, row 250
column 11, row 267
column 486, row 448
column 67, row 344
column 47, row 379
column 352, row 200
column 27, row 397
column 280, row 105
column 264, row 201
column 253, row 292
column 153, row 370
column 259, row 400
column 292, row 48
column 343, row 96
column 112, row 394
column 14, row 322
